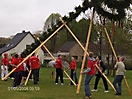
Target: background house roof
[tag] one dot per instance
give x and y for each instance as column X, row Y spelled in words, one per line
column 67, row 46
column 14, row 41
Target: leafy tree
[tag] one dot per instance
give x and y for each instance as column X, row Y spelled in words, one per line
column 50, row 22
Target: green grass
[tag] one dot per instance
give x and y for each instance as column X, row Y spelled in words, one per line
column 46, row 89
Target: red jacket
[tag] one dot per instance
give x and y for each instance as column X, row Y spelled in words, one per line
column 34, row 62
column 5, row 61
column 73, row 64
column 91, row 65
column 15, row 61
column 58, row 63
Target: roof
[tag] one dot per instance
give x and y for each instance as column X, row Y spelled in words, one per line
column 14, row 42
column 67, row 46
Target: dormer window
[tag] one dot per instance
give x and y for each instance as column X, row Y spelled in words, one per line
column 8, row 45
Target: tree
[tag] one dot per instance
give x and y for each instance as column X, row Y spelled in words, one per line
column 50, row 22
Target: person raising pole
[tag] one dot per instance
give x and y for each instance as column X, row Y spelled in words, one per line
column 90, row 72
column 101, row 65
column 120, row 67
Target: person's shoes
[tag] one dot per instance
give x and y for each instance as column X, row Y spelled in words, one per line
column 87, row 97
column 5, row 80
column 22, row 84
column 31, row 79
column 35, row 83
column 118, row 94
column 62, row 83
column 56, row 83
column 106, row 91
column 94, row 90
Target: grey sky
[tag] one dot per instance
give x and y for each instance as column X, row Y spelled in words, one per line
column 16, row 15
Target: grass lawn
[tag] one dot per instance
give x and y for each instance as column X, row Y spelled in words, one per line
column 46, row 89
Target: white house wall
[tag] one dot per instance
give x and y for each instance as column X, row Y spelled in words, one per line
column 28, row 40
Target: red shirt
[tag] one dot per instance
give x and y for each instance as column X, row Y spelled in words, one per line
column 58, row 63
column 5, row 61
column 21, row 66
column 91, row 65
column 15, row 61
column 73, row 64
column 35, row 63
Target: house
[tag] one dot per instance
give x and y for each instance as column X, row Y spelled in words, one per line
column 20, row 42
column 71, row 48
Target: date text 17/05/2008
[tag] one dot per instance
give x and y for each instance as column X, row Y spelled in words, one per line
column 24, row 88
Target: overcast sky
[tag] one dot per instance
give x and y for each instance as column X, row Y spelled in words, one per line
column 16, row 15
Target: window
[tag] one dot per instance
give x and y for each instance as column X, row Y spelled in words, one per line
column 75, row 57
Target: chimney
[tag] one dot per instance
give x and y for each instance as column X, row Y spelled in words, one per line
column 23, row 31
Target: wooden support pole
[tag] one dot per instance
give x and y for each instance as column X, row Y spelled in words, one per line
column 128, row 88
column 105, row 77
column 55, row 60
column 28, row 77
column 110, row 43
column 34, row 51
column 87, row 52
column 31, row 70
column 115, row 56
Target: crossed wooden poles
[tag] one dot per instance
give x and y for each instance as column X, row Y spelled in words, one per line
column 42, row 44
column 85, row 53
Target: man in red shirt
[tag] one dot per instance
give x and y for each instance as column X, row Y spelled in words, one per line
column 73, row 70
column 4, row 67
column 35, row 65
column 16, row 73
column 59, row 70
column 22, row 70
column 10, row 67
column 90, row 72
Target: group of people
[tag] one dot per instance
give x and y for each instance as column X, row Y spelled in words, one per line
column 20, row 72
column 34, row 65
column 59, row 70
column 90, row 72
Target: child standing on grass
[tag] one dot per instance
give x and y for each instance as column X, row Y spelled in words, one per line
column 90, row 72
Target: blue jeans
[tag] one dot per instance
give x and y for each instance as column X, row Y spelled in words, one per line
column 118, row 80
column 86, row 84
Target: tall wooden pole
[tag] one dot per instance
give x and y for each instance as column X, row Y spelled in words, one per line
column 110, row 43
column 34, row 51
column 128, row 88
column 55, row 60
column 87, row 53
column 28, row 77
column 31, row 70
column 116, row 57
